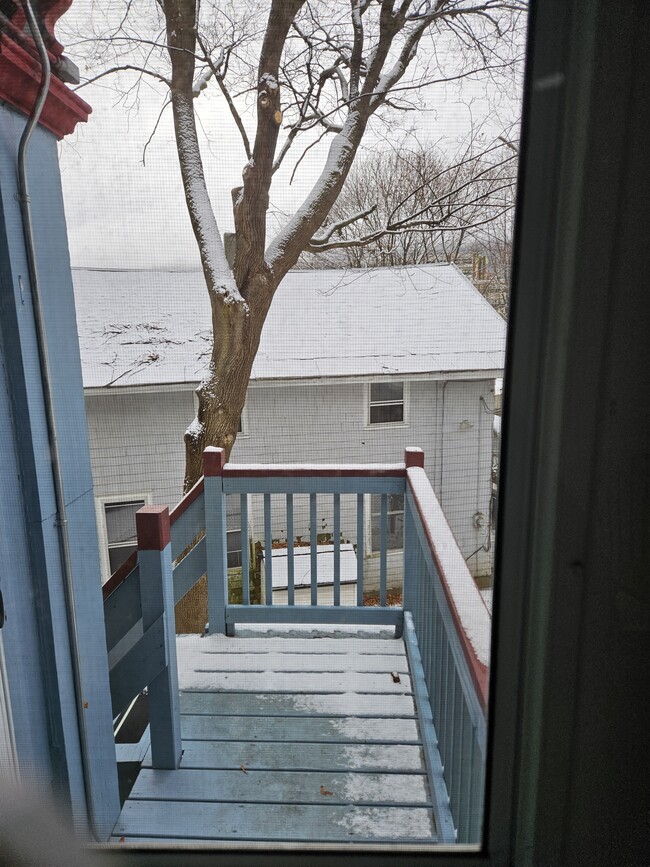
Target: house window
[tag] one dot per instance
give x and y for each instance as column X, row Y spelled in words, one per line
column 120, row 531
column 386, row 403
column 395, row 515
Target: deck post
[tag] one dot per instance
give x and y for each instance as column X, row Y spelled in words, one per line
column 157, row 600
column 214, row 460
column 413, row 457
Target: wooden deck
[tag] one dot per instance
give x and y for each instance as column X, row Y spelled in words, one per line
column 294, row 738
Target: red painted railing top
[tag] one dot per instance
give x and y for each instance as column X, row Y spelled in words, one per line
column 468, row 609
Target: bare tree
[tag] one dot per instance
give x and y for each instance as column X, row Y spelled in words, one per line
column 320, row 69
column 420, row 205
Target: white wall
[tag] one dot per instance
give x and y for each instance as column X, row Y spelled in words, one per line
column 136, row 446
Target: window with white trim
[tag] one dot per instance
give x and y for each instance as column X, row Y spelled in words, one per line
column 386, row 403
column 119, row 521
column 395, row 516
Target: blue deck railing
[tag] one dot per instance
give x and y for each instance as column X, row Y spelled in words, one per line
column 446, row 625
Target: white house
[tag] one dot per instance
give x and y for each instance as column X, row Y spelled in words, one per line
column 353, row 366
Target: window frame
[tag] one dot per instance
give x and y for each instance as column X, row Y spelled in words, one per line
column 382, row 425
column 102, row 530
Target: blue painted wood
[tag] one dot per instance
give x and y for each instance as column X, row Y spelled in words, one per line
column 360, row 547
column 301, row 730
column 383, row 548
column 245, row 551
column 313, row 614
column 319, row 484
column 337, row 549
column 310, row 757
column 372, row 706
column 291, row 564
column 188, row 526
column 278, row 822
column 268, row 552
column 456, row 711
column 135, row 670
column 313, row 541
column 412, row 583
column 442, row 812
column 192, row 567
column 281, row 786
column 157, row 596
column 122, row 609
column 217, row 552
column 45, row 704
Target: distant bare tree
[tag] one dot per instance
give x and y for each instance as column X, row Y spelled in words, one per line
column 420, row 206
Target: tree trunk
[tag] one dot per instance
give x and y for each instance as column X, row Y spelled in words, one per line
column 237, row 327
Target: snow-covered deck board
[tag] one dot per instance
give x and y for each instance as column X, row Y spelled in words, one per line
column 289, row 739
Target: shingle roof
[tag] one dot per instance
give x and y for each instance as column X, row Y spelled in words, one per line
column 153, row 327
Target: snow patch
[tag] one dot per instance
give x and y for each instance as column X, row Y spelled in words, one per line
column 393, row 822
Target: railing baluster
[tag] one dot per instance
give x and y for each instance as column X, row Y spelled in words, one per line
column 313, row 530
column 360, row 547
column 268, row 552
column 337, row 549
column 383, row 549
column 245, row 551
column 291, row 573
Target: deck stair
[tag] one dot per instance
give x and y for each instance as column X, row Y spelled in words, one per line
column 302, row 737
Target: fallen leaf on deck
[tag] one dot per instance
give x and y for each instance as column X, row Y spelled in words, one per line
column 325, row 791
column 395, row 676
column 243, row 768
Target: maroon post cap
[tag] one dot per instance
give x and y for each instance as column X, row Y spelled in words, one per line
column 414, row 457
column 152, row 527
column 214, row 460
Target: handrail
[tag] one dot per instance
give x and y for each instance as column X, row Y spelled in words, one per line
column 468, row 609
column 122, row 572
column 452, row 625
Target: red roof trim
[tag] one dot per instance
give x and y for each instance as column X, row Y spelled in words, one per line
column 20, row 77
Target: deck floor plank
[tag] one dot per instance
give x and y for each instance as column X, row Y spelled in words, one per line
column 385, row 663
column 170, row 820
column 397, row 758
column 287, row 787
column 303, row 682
column 296, row 704
column 300, row 729
column 300, row 739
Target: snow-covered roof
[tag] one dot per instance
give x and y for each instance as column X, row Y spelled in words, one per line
column 141, row 328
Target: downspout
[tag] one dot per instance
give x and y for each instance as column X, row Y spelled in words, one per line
column 61, row 520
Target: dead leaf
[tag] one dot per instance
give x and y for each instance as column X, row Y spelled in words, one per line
column 325, row 791
column 395, row 676
column 243, row 768
column 122, row 840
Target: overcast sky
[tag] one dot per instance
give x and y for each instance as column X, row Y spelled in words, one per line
column 122, row 213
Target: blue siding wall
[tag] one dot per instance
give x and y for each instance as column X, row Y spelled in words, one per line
column 37, row 646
